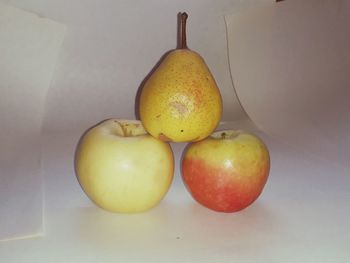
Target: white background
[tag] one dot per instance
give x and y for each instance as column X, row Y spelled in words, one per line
column 110, row 46
column 29, row 47
column 291, row 65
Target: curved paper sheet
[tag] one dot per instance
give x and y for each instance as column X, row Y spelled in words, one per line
column 29, row 46
column 290, row 64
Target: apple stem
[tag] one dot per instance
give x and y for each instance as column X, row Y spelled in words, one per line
column 182, row 28
column 223, row 135
column 125, row 132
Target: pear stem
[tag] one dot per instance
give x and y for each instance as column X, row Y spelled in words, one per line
column 182, row 35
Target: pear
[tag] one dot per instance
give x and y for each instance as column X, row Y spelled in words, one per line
column 180, row 100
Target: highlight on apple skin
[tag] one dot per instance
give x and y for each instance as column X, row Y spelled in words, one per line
column 122, row 168
column 227, row 171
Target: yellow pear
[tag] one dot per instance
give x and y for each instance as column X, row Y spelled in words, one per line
column 180, row 100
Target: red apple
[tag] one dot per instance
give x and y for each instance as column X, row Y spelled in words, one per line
column 227, row 171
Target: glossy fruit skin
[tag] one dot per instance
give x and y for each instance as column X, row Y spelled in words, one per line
column 123, row 174
column 226, row 175
column 180, row 101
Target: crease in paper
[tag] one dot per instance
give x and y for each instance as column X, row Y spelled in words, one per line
column 29, row 47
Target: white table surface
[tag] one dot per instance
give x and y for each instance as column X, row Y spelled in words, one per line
column 303, row 215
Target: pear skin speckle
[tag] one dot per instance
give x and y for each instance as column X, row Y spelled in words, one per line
column 181, row 98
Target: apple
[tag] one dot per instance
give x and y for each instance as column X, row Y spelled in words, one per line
column 122, row 168
column 227, row 171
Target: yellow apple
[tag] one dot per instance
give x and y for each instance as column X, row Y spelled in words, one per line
column 227, row 171
column 122, row 168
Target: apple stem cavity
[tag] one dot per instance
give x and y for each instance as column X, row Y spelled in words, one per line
column 226, row 134
column 122, row 128
column 182, row 33
column 129, row 128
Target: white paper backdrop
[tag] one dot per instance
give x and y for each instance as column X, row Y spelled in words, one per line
column 111, row 46
column 29, row 47
column 290, row 64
